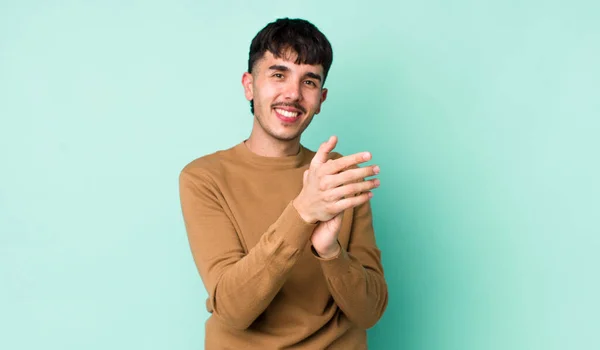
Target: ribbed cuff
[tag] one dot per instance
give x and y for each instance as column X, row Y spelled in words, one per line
column 335, row 266
column 294, row 228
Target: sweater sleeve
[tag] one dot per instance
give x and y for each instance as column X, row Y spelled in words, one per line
column 240, row 285
column 355, row 277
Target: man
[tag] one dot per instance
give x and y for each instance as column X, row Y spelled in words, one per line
column 283, row 236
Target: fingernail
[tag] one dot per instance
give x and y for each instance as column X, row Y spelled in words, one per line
column 366, row 155
column 377, row 182
column 376, row 169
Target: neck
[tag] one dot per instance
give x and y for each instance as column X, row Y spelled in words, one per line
column 268, row 146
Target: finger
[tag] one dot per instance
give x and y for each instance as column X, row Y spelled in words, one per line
column 352, row 202
column 349, row 190
column 352, row 175
column 337, row 165
column 304, row 176
column 322, row 155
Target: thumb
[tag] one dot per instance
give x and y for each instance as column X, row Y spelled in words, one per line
column 323, row 152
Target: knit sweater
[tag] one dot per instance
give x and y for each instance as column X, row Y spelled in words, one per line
column 267, row 287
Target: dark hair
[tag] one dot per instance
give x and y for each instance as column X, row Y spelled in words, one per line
column 297, row 35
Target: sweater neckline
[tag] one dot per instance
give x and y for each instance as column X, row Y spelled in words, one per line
column 287, row 162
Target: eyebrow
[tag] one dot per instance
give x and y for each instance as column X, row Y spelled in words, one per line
column 286, row 69
column 314, row 76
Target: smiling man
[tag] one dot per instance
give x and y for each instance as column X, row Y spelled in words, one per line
column 283, row 236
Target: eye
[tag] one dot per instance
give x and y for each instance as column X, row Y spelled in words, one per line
column 278, row 75
column 310, row 82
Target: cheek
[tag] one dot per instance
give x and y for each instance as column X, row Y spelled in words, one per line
column 265, row 93
column 273, row 96
column 314, row 98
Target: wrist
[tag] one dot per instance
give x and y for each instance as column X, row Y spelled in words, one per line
column 297, row 203
column 330, row 252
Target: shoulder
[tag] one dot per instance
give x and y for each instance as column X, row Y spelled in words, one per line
column 206, row 168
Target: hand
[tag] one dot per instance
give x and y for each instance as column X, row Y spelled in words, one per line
column 329, row 187
column 325, row 237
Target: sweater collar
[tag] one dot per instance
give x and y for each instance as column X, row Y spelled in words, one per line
column 287, row 162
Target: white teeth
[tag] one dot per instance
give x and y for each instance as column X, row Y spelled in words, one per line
column 287, row 113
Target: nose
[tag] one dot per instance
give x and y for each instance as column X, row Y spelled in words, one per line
column 292, row 91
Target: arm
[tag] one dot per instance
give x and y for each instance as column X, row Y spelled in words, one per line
column 355, row 276
column 240, row 285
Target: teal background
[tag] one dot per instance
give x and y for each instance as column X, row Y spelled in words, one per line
column 482, row 115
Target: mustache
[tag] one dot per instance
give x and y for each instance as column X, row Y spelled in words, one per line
column 293, row 105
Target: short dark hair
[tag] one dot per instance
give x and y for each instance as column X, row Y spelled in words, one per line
column 298, row 35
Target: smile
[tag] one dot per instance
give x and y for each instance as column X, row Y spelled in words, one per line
column 288, row 114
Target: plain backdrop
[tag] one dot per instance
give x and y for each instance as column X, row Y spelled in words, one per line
column 484, row 118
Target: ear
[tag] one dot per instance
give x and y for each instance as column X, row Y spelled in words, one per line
column 247, row 84
column 323, row 98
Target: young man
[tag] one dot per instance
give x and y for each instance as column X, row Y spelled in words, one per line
column 283, row 236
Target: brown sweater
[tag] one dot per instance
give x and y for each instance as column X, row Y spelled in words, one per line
column 267, row 288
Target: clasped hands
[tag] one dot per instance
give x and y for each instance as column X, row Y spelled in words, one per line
column 329, row 188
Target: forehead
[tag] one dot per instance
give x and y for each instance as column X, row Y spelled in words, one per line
column 287, row 59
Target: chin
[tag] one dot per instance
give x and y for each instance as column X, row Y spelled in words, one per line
column 286, row 137
column 283, row 135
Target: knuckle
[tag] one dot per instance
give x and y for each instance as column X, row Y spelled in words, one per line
column 346, row 176
column 348, row 191
column 329, row 208
column 329, row 197
column 322, row 185
column 357, row 187
column 319, row 173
